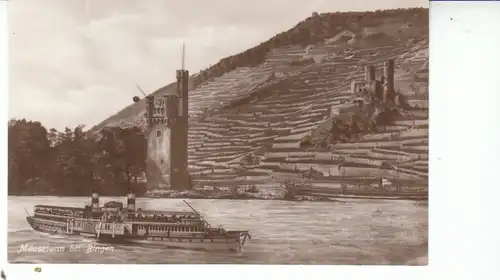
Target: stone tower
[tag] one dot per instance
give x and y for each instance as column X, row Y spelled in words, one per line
column 167, row 137
column 177, row 115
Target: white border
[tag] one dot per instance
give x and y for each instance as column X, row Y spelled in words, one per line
column 3, row 130
column 464, row 161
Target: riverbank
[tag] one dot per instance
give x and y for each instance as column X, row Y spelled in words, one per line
column 201, row 194
column 420, row 197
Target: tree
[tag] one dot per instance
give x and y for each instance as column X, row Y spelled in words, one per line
column 28, row 147
column 73, row 162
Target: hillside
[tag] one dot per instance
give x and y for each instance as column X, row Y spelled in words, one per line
column 255, row 117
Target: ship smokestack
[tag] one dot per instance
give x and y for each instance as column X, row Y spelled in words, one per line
column 95, row 200
column 131, row 201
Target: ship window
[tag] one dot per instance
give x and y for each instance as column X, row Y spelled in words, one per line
column 158, row 133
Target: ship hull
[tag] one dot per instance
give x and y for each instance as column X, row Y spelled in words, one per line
column 205, row 244
column 231, row 242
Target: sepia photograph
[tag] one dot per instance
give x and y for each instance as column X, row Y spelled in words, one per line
column 218, row 132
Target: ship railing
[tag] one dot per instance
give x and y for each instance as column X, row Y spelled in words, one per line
column 173, row 221
column 59, row 214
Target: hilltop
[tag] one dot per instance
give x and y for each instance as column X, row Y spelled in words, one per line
column 264, row 115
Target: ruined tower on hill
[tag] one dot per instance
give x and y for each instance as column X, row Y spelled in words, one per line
column 372, row 89
column 167, row 136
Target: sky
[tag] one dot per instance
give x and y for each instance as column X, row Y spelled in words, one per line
column 79, row 61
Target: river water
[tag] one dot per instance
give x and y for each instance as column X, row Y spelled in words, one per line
column 344, row 232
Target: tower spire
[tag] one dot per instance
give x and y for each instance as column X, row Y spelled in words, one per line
column 183, row 52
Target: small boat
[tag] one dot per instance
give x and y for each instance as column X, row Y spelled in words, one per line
column 114, row 223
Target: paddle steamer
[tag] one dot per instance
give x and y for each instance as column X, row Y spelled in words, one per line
column 114, row 223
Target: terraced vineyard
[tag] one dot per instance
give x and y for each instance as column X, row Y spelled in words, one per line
column 254, row 125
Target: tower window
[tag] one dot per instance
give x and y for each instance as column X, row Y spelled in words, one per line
column 161, row 161
column 158, row 133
